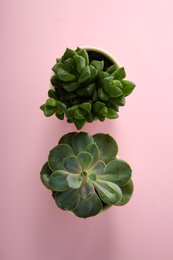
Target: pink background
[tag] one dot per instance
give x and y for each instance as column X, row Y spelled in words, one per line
column 33, row 35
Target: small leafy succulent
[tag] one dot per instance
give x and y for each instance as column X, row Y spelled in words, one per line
column 85, row 175
column 85, row 89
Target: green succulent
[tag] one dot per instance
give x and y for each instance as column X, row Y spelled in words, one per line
column 85, row 90
column 85, row 175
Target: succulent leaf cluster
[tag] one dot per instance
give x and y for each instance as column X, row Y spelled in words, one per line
column 84, row 91
column 85, row 175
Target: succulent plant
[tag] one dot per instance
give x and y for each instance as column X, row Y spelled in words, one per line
column 85, row 175
column 85, row 89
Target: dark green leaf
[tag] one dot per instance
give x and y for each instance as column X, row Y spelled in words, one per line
column 86, row 106
column 57, row 154
column 102, row 95
column 85, row 74
column 119, row 73
column 84, row 54
column 57, row 67
column 78, row 114
column 70, row 66
column 45, row 175
column 98, row 105
column 112, row 68
column 80, row 63
column 79, row 123
column 67, row 200
column 53, row 94
column 49, row 111
column 80, row 141
column 111, row 114
column 128, row 87
column 86, row 91
column 98, row 65
column 67, row 139
column 71, row 164
column 109, row 192
column 101, row 118
column 70, row 111
column 93, row 73
column 68, row 54
column 42, row 107
column 65, row 76
column 61, row 107
column 103, row 111
column 107, row 147
column 57, row 180
column 72, row 86
column 88, row 208
column 114, row 91
column 59, row 116
column 120, row 101
column 107, row 83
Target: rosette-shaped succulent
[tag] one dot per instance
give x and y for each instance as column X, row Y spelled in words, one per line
column 85, row 175
column 85, row 89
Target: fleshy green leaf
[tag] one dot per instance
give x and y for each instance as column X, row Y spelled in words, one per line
column 68, row 54
column 128, row 87
column 98, row 168
column 60, row 107
column 79, row 123
column 45, row 175
column 85, row 74
column 119, row 73
column 117, row 171
column 70, row 66
column 49, row 111
column 81, row 141
column 71, row 164
column 86, row 190
column 98, row 105
column 88, row 208
column 51, row 102
column 107, row 147
column 93, row 73
column 67, row 200
column 109, row 192
column 112, row 68
column 72, row 86
column 103, row 111
column 98, row 65
column 86, row 91
column 80, row 62
column 85, row 159
column 119, row 100
column 57, row 180
column 78, row 114
column 102, row 95
column 91, row 177
column 74, row 181
column 70, row 111
column 59, row 116
column 65, row 76
column 86, row 106
column 127, row 191
column 84, row 54
column 57, row 154
column 111, row 114
column 93, row 150
column 57, row 67
column 107, row 83
column 114, row 90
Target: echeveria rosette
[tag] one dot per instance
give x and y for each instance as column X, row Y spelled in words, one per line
column 85, row 175
column 84, row 91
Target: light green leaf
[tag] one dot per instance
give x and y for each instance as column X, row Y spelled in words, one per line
column 127, row 191
column 117, row 171
column 67, row 200
column 86, row 190
column 107, row 147
column 109, row 192
column 45, row 175
column 88, row 208
column 71, row 164
column 51, row 102
column 98, row 168
column 84, row 159
column 57, row 154
column 81, row 141
column 114, row 91
column 91, row 177
column 74, row 181
column 93, row 150
column 58, row 181
column 78, row 114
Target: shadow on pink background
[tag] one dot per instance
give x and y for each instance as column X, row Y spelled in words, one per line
column 33, row 35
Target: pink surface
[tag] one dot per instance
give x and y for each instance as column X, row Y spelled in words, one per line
column 139, row 35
